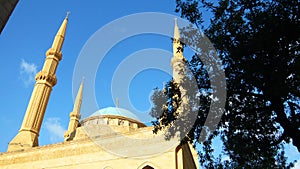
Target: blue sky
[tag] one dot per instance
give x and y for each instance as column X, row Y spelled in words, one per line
column 30, row 32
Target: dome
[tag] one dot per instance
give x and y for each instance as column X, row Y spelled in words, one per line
column 116, row 111
column 113, row 116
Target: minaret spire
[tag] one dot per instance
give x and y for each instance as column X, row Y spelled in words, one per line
column 45, row 80
column 178, row 60
column 176, row 30
column 59, row 38
column 75, row 115
column 78, row 99
column 177, row 45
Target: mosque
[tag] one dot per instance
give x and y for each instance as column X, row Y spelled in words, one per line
column 111, row 138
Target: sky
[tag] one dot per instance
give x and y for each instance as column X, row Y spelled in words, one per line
column 29, row 34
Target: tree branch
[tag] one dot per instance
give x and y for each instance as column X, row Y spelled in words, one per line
column 278, row 141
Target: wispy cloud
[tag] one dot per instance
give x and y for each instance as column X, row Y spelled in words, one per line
column 27, row 72
column 55, row 129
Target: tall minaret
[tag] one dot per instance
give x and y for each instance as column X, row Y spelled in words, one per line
column 45, row 80
column 74, row 115
column 179, row 74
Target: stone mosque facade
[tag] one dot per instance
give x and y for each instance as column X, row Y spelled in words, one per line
column 111, row 138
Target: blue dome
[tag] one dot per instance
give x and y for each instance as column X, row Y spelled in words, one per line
column 115, row 111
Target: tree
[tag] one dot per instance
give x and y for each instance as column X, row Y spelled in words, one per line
column 258, row 43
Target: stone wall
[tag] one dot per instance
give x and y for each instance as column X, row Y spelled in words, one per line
column 86, row 153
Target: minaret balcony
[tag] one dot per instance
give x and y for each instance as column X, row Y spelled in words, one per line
column 53, row 52
column 44, row 77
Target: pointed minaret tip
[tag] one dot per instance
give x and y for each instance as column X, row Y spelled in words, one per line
column 59, row 39
column 68, row 13
column 177, row 44
column 62, row 29
column 78, row 99
column 82, row 80
column 176, row 30
column 81, row 86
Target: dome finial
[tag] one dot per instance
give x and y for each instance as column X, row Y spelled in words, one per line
column 117, row 102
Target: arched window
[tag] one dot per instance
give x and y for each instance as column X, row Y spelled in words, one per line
column 148, row 167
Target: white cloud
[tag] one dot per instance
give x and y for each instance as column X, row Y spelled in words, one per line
column 27, row 72
column 55, row 129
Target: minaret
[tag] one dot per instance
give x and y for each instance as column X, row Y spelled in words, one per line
column 74, row 115
column 178, row 60
column 45, row 80
column 179, row 75
column 179, row 63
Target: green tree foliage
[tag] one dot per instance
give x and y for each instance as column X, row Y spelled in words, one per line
column 258, row 43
